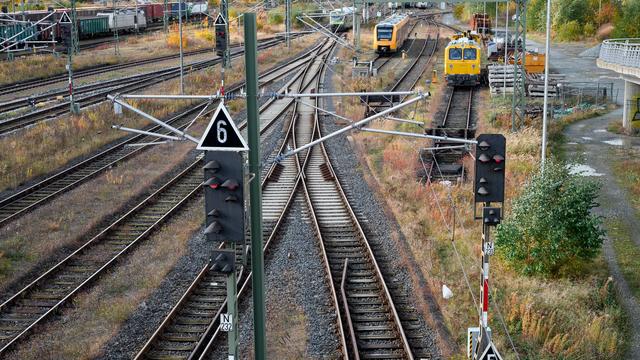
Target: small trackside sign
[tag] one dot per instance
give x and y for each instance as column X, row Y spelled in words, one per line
column 64, row 19
column 220, row 20
column 222, row 133
column 226, row 322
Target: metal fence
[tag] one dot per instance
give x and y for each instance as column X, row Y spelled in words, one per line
column 625, row 52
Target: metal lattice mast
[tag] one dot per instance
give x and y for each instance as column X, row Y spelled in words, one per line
column 75, row 48
column 71, row 50
column 519, row 54
column 226, row 56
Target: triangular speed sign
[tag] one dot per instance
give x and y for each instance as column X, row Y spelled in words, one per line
column 222, row 133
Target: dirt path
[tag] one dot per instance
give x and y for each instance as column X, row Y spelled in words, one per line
column 587, row 144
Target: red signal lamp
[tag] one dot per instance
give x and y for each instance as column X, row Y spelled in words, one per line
column 213, row 182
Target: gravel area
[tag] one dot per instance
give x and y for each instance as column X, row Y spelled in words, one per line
column 303, row 301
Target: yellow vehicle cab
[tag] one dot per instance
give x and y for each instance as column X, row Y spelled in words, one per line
column 390, row 34
column 462, row 61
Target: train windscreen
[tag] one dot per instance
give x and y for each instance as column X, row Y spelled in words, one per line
column 470, row 54
column 336, row 18
column 455, row 54
column 384, row 32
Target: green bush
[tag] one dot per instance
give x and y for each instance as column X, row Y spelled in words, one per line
column 570, row 31
column 275, row 17
column 551, row 225
column 627, row 23
column 458, row 11
column 589, row 29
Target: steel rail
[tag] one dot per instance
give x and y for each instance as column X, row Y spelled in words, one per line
column 98, row 96
column 326, row 175
column 318, row 173
column 345, row 305
column 153, row 346
column 99, row 69
column 43, row 191
column 187, row 184
column 246, row 284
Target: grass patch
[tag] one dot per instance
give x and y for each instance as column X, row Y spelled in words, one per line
column 68, row 137
column 98, row 314
column 570, row 317
column 626, row 167
column 627, row 254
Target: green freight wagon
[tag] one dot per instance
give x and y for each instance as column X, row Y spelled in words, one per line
column 92, row 26
column 8, row 31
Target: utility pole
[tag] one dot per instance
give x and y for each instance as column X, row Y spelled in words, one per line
column 356, row 25
column 257, row 257
column 519, row 55
column 181, row 53
column 506, row 50
column 135, row 18
column 545, row 110
column 288, row 22
column 165, row 18
column 226, row 56
column 115, row 29
column 72, row 45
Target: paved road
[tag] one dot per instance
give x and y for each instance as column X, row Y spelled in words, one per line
column 591, row 145
column 566, row 59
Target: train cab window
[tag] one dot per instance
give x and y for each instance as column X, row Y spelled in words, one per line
column 336, row 18
column 455, row 54
column 470, row 54
column 384, row 32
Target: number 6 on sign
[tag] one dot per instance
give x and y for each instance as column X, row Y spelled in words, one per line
column 222, row 133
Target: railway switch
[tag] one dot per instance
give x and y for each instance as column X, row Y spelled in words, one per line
column 223, row 192
column 223, row 261
column 490, row 169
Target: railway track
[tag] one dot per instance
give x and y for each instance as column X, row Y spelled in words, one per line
column 97, row 92
column 444, row 160
column 44, row 296
column 191, row 328
column 422, row 56
column 34, row 83
column 63, row 181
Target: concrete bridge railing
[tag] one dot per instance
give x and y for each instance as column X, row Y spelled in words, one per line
column 621, row 55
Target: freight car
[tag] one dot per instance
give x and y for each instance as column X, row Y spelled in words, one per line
column 125, row 20
column 341, row 19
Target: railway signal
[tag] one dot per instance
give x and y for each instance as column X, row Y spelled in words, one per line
column 224, row 183
column 488, row 188
column 221, row 35
column 490, row 168
column 223, row 261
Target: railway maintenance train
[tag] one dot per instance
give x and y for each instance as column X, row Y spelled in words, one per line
column 341, row 19
column 390, row 34
column 462, row 60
